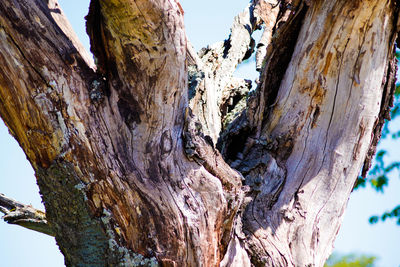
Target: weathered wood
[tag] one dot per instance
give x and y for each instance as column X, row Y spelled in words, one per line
column 45, row 83
column 107, row 146
column 314, row 136
column 211, row 75
column 124, row 149
column 24, row 215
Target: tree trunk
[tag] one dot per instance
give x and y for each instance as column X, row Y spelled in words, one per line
column 125, row 150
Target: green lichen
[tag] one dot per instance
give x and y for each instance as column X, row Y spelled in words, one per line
column 85, row 241
column 80, row 237
column 128, row 258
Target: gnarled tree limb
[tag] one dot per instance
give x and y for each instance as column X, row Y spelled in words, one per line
column 107, row 146
column 24, row 215
column 219, row 61
column 129, row 176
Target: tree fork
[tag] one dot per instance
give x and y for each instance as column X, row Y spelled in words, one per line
column 131, row 176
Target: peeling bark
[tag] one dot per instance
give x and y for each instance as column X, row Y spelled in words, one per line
column 156, row 155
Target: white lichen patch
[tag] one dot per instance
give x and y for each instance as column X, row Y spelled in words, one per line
column 129, row 258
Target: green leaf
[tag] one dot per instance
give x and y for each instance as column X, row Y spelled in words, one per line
column 361, row 182
column 380, row 182
column 393, row 214
column 350, row 260
column 373, row 219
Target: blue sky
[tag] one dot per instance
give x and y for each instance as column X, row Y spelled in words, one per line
column 206, row 22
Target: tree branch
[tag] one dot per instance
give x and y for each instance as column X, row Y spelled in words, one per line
column 107, row 147
column 219, row 61
column 314, row 126
column 50, row 61
column 24, row 215
column 145, row 37
column 267, row 11
column 46, row 89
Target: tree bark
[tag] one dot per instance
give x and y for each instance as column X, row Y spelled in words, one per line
column 317, row 130
column 125, row 150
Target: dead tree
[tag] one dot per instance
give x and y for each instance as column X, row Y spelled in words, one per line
column 154, row 154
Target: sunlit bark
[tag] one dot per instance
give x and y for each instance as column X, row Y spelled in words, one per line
column 125, row 148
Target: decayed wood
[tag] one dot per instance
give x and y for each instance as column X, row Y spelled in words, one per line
column 43, row 77
column 316, row 132
column 211, row 75
column 127, row 165
column 267, row 11
column 107, row 146
column 24, row 215
column 182, row 208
